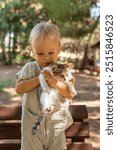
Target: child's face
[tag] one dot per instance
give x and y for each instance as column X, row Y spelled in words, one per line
column 46, row 52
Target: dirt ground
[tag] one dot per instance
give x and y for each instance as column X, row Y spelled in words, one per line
column 87, row 86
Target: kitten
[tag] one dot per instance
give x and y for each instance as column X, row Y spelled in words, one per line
column 49, row 97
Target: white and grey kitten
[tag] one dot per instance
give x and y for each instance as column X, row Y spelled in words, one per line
column 49, row 97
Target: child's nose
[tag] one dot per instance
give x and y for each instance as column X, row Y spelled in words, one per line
column 46, row 57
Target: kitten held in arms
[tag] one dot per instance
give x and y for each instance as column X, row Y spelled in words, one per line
column 50, row 98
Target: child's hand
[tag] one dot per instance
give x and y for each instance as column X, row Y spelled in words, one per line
column 51, row 80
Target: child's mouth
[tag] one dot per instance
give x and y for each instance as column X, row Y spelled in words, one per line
column 48, row 63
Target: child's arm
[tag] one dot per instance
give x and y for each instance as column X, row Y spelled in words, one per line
column 24, row 86
column 63, row 90
column 60, row 86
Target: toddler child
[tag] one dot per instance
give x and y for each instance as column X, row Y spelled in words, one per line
column 45, row 44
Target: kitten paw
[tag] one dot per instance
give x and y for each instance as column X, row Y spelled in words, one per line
column 49, row 109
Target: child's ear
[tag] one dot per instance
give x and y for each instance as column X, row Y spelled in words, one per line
column 33, row 54
column 72, row 81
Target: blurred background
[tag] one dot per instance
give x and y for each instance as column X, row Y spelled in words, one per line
column 79, row 24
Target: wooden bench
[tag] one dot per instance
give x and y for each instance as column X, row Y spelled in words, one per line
column 10, row 122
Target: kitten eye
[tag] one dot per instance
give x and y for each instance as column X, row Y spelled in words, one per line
column 54, row 67
column 40, row 54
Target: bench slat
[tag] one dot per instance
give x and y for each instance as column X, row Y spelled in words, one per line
column 10, row 112
column 10, row 129
column 10, row 144
column 78, row 130
column 15, row 145
column 78, row 112
column 79, row 146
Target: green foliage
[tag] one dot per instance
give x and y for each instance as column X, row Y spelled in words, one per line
column 16, row 17
column 21, row 59
column 70, row 15
column 5, row 84
column 63, row 11
column 19, row 16
column 74, row 31
column 57, row 10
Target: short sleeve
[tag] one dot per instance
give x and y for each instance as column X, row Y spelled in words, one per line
column 24, row 73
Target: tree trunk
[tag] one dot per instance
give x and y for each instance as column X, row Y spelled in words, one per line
column 85, row 57
column 8, row 53
column 3, row 52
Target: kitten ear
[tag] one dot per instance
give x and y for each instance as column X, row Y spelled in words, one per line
column 69, row 65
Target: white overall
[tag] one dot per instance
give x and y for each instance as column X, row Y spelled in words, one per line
column 50, row 135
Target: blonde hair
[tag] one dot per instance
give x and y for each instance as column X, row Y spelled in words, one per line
column 44, row 30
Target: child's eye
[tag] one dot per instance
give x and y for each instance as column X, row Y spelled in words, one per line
column 51, row 53
column 40, row 54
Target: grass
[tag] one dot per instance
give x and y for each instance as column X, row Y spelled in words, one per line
column 5, row 84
